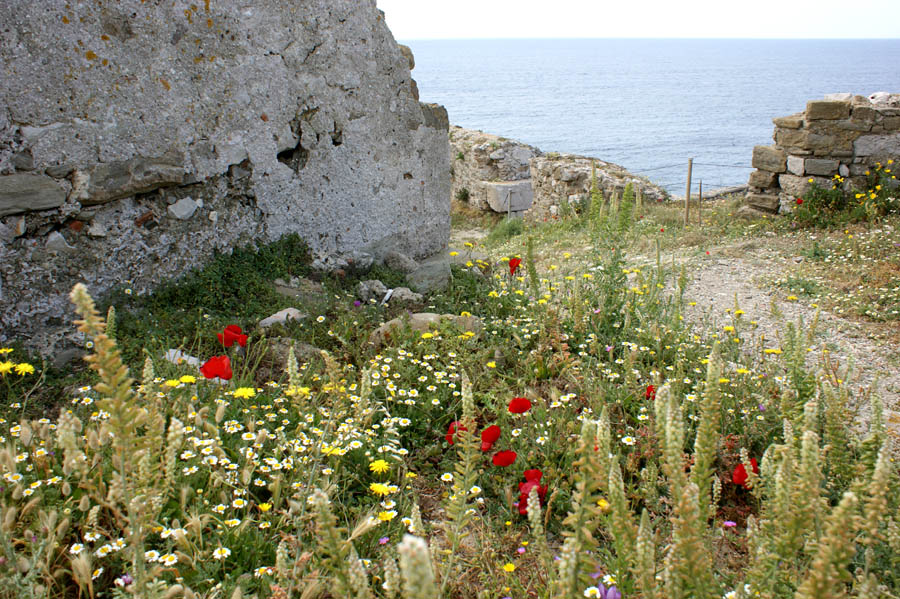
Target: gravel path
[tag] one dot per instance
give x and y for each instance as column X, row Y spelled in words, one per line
column 742, row 271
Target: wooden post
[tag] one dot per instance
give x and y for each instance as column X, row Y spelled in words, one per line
column 687, row 194
column 700, row 206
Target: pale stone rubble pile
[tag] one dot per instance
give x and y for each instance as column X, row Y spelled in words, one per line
column 506, row 176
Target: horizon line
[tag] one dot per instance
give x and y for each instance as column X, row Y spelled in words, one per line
column 774, row 39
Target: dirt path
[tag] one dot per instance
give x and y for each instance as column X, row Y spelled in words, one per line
column 745, row 271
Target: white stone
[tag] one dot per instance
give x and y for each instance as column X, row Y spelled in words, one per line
column 795, row 165
column 176, row 356
column 97, row 229
column 57, row 243
column 281, row 317
column 183, row 209
column 512, row 196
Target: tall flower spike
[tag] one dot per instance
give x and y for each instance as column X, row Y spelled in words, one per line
column 415, row 569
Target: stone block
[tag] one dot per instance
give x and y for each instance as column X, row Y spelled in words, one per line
column 864, row 113
column 827, row 109
column 25, row 193
column 792, row 138
column 513, row 196
column 795, row 165
column 123, row 178
column 820, row 166
column 764, row 202
column 769, row 158
column 797, row 186
column 795, row 121
column 877, row 145
column 891, row 123
column 762, row 179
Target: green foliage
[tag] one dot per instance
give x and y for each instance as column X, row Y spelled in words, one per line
column 314, row 485
column 505, row 230
column 626, row 209
column 462, row 194
column 821, row 207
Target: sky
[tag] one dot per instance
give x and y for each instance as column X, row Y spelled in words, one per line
column 458, row 19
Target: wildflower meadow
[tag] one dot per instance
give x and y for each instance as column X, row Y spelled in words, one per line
column 585, row 439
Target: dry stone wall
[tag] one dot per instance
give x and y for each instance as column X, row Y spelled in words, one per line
column 842, row 135
column 495, row 173
column 137, row 138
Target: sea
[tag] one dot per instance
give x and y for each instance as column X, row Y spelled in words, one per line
column 647, row 104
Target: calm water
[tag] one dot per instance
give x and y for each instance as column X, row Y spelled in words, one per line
column 647, row 104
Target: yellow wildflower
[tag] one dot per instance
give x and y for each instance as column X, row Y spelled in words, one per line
column 380, row 489
column 24, row 368
column 509, row 567
column 245, row 392
column 379, row 466
column 6, row 367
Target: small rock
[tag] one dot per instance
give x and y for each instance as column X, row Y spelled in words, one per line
column 497, row 155
column 432, row 275
column 360, row 261
column 59, row 172
column 176, row 356
column 183, row 209
column 213, row 217
column 20, row 226
column 97, row 229
column 398, row 261
column 404, row 295
column 23, row 161
column 57, row 243
column 423, row 322
column 66, row 357
column 371, row 290
column 798, row 259
column 7, row 233
column 281, row 317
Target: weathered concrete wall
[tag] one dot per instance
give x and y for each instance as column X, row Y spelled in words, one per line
column 841, row 135
column 496, row 173
column 137, row 137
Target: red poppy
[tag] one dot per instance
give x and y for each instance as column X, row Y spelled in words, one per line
column 452, row 430
column 526, row 487
column 739, row 476
column 533, row 475
column 650, row 393
column 217, row 366
column 504, row 458
column 231, row 334
column 519, row 405
column 489, row 436
column 514, row 265
column 799, row 201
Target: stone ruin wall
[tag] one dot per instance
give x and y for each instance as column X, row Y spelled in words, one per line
column 137, row 138
column 841, row 135
column 508, row 176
